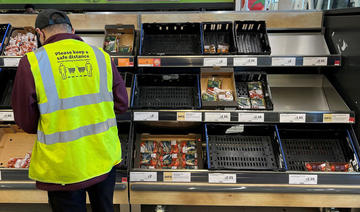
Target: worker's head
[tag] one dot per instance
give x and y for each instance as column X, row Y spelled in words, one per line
column 51, row 22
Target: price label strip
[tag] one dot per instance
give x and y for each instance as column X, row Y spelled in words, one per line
column 177, row 177
column 189, row 116
column 11, row 62
column 7, row 116
column 217, row 62
column 283, row 61
column 143, row 176
column 217, row 117
column 245, row 61
column 146, row 116
column 292, row 118
column 336, row 118
column 222, row 178
column 315, row 61
column 251, row 117
column 299, row 179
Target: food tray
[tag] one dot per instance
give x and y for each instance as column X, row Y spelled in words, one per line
column 217, row 34
column 125, row 38
column 251, row 38
column 158, row 138
column 315, row 145
column 241, row 81
column 177, row 91
column 24, row 30
column 250, row 148
column 6, row 86
column 170, row 39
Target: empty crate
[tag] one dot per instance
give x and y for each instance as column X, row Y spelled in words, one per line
column 242, row 147
column 251, row 38
column 124, row 131
column 170, row 39
column 218, row 38
column 6, row 84
column 174, row 91
column 318, row 144
column 4, row 32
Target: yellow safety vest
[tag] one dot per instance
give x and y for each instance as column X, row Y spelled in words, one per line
column 77, row 136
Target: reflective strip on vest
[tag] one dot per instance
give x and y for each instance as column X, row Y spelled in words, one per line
column 54, row 103
column 72, row 135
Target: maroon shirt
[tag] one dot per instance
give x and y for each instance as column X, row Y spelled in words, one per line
column 26, row 111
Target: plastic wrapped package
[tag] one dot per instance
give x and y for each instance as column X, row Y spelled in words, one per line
column 19, row 162
column 20, row 44
column 329, row 167
column 149, row 147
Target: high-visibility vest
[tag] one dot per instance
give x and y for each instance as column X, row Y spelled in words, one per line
column 77, row 136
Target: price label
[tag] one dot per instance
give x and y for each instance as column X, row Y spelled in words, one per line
column 315, row 61
column 245, row 61
column 251, row 117
column 11, row 62
column 143, row 176
column 184, row 177
column 215, row 62
column 6, row 116
column 189, row 116
column 299, row 179
column 217, row 117
column 124, row 62
column 283, row 61
column 222, row 178
column 292, row 118
column 146, row 116
column 336, row 118
column 149, row 62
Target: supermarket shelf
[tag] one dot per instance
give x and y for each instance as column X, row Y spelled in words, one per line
column 240, row 116
column 239, row 61
column 242, row 177
column 120, row 61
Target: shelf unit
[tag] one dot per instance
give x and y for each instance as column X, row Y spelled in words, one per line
column 299, row 99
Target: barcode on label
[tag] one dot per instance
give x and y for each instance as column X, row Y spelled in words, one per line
column 284, row 61
column 251, row 117
column 292, row 118
column 146, row 116
column 6, row 116
column 217, row 117
column 315, row 61
column 143, row 176
column 222, row 178
column 245, row 61
column 215, row 62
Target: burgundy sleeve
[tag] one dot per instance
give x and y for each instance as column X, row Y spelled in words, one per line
column 24, row 100
column 119, row 91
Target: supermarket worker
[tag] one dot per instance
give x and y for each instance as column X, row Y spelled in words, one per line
column 67, row 92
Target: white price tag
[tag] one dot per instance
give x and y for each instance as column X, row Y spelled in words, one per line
column 189, row 116
column 336, row 118
column 215, row 62
column 315, row 61
column 245, row 61
column 184, row 177
column 251, row 117
column 11, row 62
column 6, row 116
column 143, row 176
column 217, row 117
column 293, row 118
column 283, row 61
column 298, row 179
column 146, row 116
column 222, row 178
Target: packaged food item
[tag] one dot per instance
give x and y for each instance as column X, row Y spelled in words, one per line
column 244, row 102
column 190, row 159
column 174, row 147
column 223, row 48
column 149, row 161
column 165, row 160
column 188, row 147
column 225, row 96
column 113, row 44
column 255, row 90
column 214, row 83
column 20, row 44
column 258, row 103
column 329, row 167
column 149, row 147
column 19, row 162
column 165, row 147
column 110, row 43
column 208, row 97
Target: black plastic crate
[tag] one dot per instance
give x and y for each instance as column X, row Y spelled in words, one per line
column 4, row 32
column 171, row 39
column 250, row 148
column 251, row 38
column 176, row 91
column 216, row 35
column 315, row 144
column 242, row 79
column 124, row 132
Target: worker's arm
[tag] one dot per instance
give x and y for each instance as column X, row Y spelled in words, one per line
column 119, row 91
column 24, row 100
